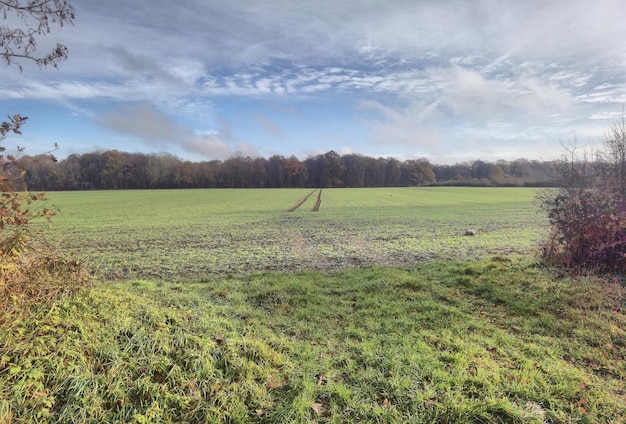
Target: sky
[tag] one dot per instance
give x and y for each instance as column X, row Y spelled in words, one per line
column 445, row 80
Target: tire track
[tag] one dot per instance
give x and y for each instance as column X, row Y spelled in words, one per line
column 301, row 202
column 316, row 208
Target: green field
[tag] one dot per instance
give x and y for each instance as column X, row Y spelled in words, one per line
column 223, row 306
column 188, row 234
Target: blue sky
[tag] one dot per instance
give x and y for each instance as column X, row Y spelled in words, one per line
column 446, row 80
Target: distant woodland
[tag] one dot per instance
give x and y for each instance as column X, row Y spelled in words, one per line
column 115, row 170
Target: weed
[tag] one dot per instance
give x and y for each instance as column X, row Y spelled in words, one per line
column 38, row 275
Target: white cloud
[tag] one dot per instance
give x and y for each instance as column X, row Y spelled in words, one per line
column 207, row 147
column 64, row 90
column 484, row 117
column 429, row 75
column 269, row 126
column 247, row 149
column 159, row 130
column 144, row 122
column 613, row 116
column 413, row 126
column 473, row 98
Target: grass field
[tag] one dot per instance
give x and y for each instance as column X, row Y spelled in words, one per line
column 415, row 323
column 187, row 234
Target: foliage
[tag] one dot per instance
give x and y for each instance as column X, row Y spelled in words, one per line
column 29, row 271
column 115, row 170
column 493, row 341
column 37, row 278
column 14, row 213
column 18, row 43
column 149, row 234
column 28, row 275
column 587, row 213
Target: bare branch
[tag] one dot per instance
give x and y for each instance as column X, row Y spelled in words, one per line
column 18, row 43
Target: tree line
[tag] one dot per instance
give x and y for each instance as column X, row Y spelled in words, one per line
column 116, row 170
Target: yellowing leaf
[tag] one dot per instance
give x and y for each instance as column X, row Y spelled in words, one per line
column 318, row 408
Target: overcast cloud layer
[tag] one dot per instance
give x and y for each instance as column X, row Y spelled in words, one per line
column 446, row 80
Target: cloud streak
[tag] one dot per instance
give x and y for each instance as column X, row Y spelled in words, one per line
column 143, row 121
column 158, row 130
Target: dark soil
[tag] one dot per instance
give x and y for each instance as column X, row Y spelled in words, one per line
column 316, row 208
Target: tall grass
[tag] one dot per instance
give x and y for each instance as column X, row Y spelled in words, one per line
column 494, row 341
column 38, row 275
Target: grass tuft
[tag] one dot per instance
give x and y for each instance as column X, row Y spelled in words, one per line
column 38, row 275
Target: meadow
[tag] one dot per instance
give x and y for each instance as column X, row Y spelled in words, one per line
column 224, row 306
column 188, row 234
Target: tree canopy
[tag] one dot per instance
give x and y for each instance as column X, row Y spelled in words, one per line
column 112, row 169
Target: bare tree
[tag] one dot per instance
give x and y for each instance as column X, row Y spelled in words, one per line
column 614, row 155
column 28, row 21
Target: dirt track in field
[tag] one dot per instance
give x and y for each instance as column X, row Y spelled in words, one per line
column 318, row 203
column 302, row 201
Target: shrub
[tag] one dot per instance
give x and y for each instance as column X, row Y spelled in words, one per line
column 28, row 273
column 30, row 270
column 587, row 212
column 588, row 231
column 37, row 276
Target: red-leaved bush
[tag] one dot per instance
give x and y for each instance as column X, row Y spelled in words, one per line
column 587, row 212
column 588, row 232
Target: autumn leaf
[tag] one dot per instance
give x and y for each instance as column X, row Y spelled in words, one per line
column 318, row 408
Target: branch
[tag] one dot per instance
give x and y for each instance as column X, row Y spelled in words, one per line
column 20, row 43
